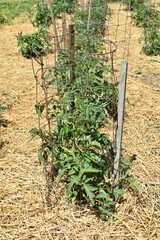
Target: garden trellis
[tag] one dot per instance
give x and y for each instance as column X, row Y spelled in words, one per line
column 77, row 96
column 76, row 65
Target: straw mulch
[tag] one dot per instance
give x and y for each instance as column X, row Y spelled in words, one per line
column 24, row 214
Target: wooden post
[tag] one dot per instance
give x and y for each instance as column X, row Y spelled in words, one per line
column 105, row 13
column 89, row 14
column 54, row 23
column 105, row 9
column 72, row 53
column 129, row 5
column 149, row 6
column 82, row 2
column 119, row 132
column 64, row 27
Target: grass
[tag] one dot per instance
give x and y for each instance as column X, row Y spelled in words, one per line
column 10, row 9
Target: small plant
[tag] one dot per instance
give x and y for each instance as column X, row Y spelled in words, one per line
column 62, row 6
column 145, row 14
column 34, row 45
column 3, row 19
column 42, row 17
column 151, row 39
column 132, row 5
column 149, row 18
column 2, row 109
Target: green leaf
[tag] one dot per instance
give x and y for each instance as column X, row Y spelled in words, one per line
column 73, row 180
column 39, row 108
column 127, row 100
column 90, row 170
column 34, row 132
column 61, row 173
column 2, row 108
column 89, row 191
column 71, row 172
column 136, row 185
column 40, row 156
column 70, row 151
column 102, row 195
column 119, row 191
column 96, row 144
column 126, row 162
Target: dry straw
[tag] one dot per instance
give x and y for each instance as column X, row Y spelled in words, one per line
column 23, row 211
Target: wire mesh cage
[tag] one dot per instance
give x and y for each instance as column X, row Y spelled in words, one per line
column 80, row 92
column 77, row 87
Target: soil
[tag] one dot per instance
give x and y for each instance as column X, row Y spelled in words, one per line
column 23, row 210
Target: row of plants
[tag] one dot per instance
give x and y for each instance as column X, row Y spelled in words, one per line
column 39, row 43
column 82, row 155
column 146, row 15
column 10, row 9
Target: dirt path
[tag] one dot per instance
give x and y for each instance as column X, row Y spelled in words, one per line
column 23, row 212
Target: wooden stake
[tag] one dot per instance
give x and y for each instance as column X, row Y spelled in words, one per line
column 129, row 5
column 54, row 23
column 119, row 132
column 72, row 52
column 89, row 14
column 82, row 2
column 105, row 13
column 105, row 9
column 64, row 27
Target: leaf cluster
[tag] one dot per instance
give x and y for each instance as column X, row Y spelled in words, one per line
column 151, row 39
column 42, row 15
column 144, row 14
column 133, row 4
column 149, row 18
column 34, row 45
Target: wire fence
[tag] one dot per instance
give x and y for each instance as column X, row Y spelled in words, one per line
column 77, row 82
column 115, row 34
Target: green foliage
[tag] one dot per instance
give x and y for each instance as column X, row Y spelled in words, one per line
column 84, row 156
column 97, row 23
column 82, row 153
column 10, row 9
column 149, row 18
column 62, row 6
column 125, row 177
column 144, row 14
column 151, row 39
column 2, row 109
column 42, row 16
column 134, row 4
column 34, row 45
